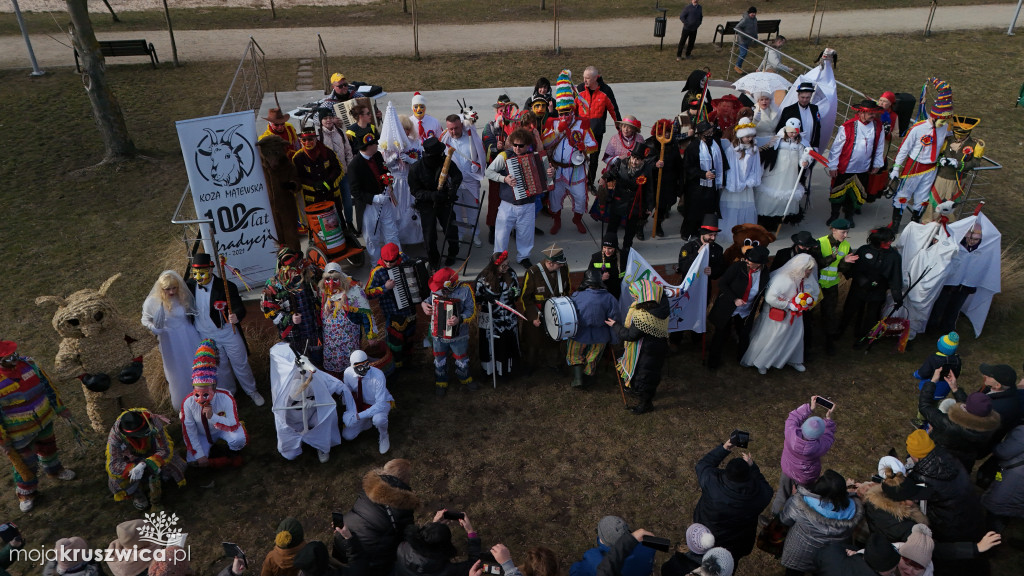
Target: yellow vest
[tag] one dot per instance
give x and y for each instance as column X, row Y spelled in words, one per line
column 829, row 276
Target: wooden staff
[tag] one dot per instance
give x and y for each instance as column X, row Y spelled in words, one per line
column 222, row 261
column 445, row 167
column 660, row 135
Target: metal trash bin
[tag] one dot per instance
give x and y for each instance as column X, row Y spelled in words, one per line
column 660, row 24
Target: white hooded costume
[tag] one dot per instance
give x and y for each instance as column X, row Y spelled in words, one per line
column 302, row 415
column 400, row 152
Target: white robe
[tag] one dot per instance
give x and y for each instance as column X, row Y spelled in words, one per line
column 737, row 203
column 178, row 343
column 313, row 419
column 224, row 425
column 825, row 97
column 773, row 344
column 778, row 187
column 925, row 265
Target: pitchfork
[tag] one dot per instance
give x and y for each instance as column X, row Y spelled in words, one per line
column 659, row 133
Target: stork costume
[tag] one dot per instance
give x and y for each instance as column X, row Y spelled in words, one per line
column 568, row 141
column 201, row 431
column 915, row 163
column 423, row 124
column 304, row 409
column 400, row 152
column 367, row 400
column 469, row 157
column 213, row 322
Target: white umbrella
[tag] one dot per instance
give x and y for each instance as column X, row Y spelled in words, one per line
column 767, row 82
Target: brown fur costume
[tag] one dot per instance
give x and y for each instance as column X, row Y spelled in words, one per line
column 282, row 184
column 95, row 342
column 743, row 237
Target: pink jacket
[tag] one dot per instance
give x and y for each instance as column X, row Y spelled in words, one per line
column 801, row 458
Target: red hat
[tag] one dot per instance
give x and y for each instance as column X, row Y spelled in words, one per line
column 889, row 96
column 7, row 348
column 389, row 251
column 442, row 279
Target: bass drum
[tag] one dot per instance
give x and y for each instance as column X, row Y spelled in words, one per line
column 561, row 318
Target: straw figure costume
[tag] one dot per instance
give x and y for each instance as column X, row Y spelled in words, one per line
column 210, row 415
column 140, row 457
column 568, row 140
column 445, row 286
column 28, row 405
column 104, row 351
column 645, row 335
column 282, row 188
column 916, row 162
column 219, row 313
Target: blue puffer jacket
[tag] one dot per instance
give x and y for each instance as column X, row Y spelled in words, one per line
column 639, row 562
column 595, row 305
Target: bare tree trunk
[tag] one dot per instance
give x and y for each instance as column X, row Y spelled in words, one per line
column 105, row 108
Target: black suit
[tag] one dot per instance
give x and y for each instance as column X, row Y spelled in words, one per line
column 699, row 200
column 363, row 183
column 436, row 206
column 731, row 286
column 793, row 111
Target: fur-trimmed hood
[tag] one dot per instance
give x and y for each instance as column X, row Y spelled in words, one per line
column 961, row 417
column 387, row 490
column 898, row 510
column 830, row 527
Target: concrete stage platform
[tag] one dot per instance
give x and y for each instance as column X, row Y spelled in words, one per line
column 648, row 101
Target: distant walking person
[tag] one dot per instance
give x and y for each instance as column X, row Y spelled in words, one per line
column 691, row 18
column 748, row 26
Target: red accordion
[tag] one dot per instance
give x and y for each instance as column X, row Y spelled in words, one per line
column 444, row 308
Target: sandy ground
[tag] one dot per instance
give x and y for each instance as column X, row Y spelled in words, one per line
column 96, row 6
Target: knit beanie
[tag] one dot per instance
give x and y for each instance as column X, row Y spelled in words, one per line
column 979, row 404
column 919, row 444
column 204, row 367
column 948, row 344
column 699, row 539
column 610, row 529
column 919, row 545
column 418, row 98
column 718, row 562
column 564, row 98
column 289, row 533
column 879, row 553
column 813, row 428
column 737, row 470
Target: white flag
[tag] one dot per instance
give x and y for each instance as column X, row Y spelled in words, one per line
column 688, row 302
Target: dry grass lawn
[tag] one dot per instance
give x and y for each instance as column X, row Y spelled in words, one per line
column 534, row 462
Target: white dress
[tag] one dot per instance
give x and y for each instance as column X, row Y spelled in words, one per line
column 737, row 202
column 178, row 343
column 774, row 343
column 766, row 119
column 777, row 184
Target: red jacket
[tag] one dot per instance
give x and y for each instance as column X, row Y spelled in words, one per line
column 593, row 105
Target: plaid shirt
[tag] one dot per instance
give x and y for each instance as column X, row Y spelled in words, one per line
column 375, row 290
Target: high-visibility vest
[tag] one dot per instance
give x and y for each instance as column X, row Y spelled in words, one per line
column 829, row 276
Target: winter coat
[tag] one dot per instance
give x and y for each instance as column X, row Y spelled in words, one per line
column 1007, row 404
column 832, row 560
column 730, row 509
column 281, row 561
column 412, row 562
column 624, row 558
column 423, row 178
column 595, row 305
column 954, row 510
column 811, row 530
column 965, row 435
column 893, row 520
column 377, row 521
column 1006, row 497
column 801, row 458
column 653, row 349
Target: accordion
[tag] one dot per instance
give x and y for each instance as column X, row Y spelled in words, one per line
column 410, row 280
column 444, row 308
column 344, row 111
column 529, row 174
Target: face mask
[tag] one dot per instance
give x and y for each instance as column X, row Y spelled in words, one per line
column 362, row 369
column 332, row 284
column 540, row 109
column 419, row 111
column 203, row 395
column 308, row 143
column 202, row 276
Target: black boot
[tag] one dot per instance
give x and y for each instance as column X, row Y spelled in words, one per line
column 897, row 216
column 916, row 216
column 834, row 214
column 490, row 234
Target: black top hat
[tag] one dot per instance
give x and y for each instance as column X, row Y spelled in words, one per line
column 502, row 101
column 757, row 255
column 639, row 150
column 710, row 224
column 805, row 87
column 433, row 147
column 705, row 126
column 368, row 140
column 202, row 260
column 803, row 238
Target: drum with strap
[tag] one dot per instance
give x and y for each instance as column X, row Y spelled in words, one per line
column 561, row 318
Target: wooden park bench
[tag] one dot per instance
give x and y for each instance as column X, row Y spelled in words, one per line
column 768, row 27
column 114, row 48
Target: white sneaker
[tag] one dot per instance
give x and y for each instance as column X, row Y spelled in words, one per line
column 797, row 367
column 66, row 474
column 26, row 505
column 257, row 399
column 477, row 243
column 323, row 456
column 762, row 371
column 385, row 443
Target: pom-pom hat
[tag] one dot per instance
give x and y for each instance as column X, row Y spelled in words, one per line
column 204, row 366
column 813, row 428
column 699, row 539
column 948, row 344
column 418, row 99
column 943, row 104
column 565, row 100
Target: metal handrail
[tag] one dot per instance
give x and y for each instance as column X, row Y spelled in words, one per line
column 254, row 82
column 323, row 64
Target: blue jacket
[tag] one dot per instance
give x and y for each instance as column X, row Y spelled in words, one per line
column 595, row 305
column 639, row 563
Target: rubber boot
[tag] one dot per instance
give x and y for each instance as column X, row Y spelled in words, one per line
column 897, row 216
column 557, row 224
column 834, row 214
column 577, row 219
column 577, row 376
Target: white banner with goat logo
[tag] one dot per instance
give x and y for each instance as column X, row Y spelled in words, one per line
column 229, row 187
column 688, row 302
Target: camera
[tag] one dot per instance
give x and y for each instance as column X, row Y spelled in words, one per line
column 656, row 543
column 449, row 515
column 739, row 438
